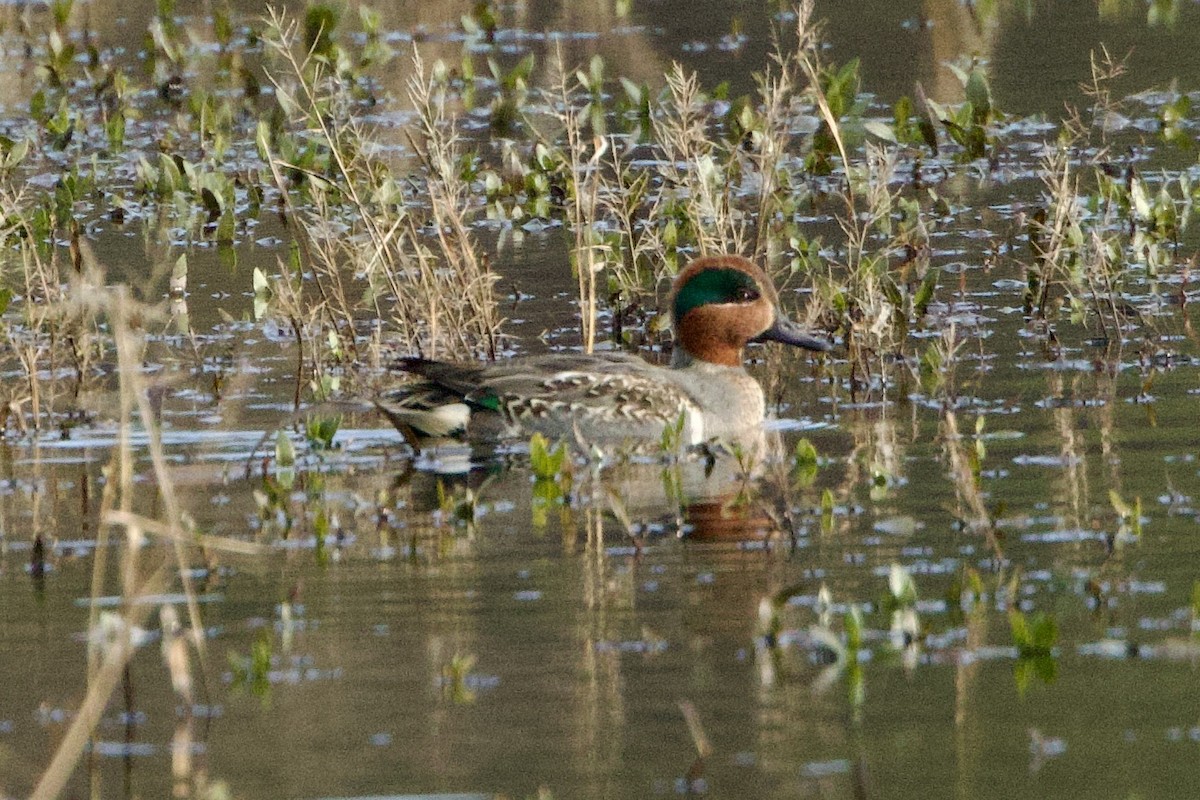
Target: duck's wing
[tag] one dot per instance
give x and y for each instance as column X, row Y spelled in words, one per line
column 601, row 396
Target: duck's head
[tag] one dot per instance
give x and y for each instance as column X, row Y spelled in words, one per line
column 720, row 303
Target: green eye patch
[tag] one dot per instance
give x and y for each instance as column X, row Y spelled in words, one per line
column 715, row 286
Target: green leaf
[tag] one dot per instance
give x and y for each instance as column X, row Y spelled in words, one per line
column 211, row 203
column 925, row 292
column 546, row 463
column 632, row 91
column 881, row 130
column 16, row 154
column 902, row 585
column 285, row 453
column 179, row 275
column 979, row 95
column 226, row 228
column 1045, row 632
column 260, row 282
column 854, row 628
column 804, row 454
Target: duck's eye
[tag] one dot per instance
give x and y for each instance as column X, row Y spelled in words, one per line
column 744, row 294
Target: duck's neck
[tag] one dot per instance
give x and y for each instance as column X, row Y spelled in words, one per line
column 682, row 358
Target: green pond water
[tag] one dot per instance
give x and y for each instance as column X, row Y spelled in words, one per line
column 562, row 648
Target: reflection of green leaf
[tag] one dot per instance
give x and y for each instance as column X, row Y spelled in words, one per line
column 5, row 298
column 902, row 586
column 547, row 494
column 455, row 679
column 854, row 630
column 856, row 686
column 1044, row 667
column 226, row 227
column 285, row 461
column 1022, row 671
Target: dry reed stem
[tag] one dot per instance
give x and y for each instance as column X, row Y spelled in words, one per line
column 106, row 669
column 101, row 686
column 441, row 296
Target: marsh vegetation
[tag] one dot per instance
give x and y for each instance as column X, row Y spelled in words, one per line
column 961, row 550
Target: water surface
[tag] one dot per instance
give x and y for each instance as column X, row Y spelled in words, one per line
column 555, row 647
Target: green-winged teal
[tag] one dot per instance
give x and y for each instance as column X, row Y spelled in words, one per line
column 718, row 303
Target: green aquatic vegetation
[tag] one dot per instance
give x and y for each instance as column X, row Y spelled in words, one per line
column 252, row 671
column 635, row 106
column 319, row 432
column 828, row 509
column 839, row 90
column 902, row 589
column 512, row 96
column 969, row 124
column 1171, row 119
column 482, row 22
column 1035, row 638
column 967, row 593
column 551, row 469
column 805, row 464
column 460, row 505
column 1101, row 218
column 285, row 460
column 1129, row 516
column 547, row 463
column 455, row 675
column 671, row 442
column 847, row 656
column 320, row 26
column 592, row 82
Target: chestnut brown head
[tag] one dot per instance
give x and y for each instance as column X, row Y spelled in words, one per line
column 720, row 303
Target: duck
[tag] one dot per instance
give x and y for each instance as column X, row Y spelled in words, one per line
column 719, row 304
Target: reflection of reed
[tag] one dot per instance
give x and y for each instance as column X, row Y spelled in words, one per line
column 964, row 471
column 1073, row 491
column 1087, row 403
column 634, row 56
column 145, row 571
column 970, row 724
column 600, row 695
column 958, row 30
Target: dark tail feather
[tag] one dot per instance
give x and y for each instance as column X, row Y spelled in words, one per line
column 413, row 364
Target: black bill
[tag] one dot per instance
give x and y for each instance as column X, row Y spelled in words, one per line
column 793, row 333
